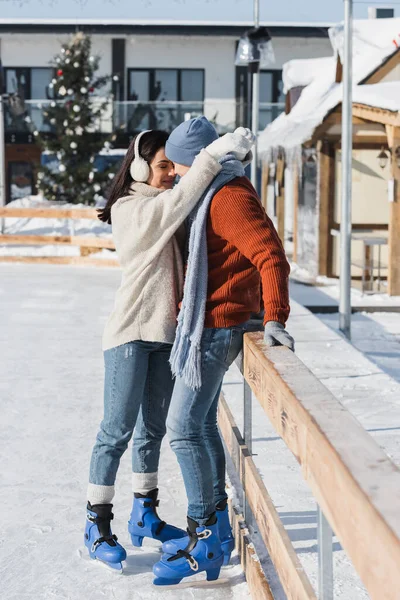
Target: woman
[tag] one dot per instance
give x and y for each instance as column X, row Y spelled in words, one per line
column 146, row 213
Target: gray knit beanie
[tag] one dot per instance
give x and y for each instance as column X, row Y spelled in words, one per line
column 186, row 140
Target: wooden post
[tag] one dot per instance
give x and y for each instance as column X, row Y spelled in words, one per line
column 296, row 192
column 393, row 134
column 280, row 200
column 264, row 184
column 326, row 182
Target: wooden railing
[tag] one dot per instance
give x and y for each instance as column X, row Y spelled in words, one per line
column 87, row 244
column 356, row 485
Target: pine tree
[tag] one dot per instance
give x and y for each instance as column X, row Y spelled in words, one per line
column 73, row 117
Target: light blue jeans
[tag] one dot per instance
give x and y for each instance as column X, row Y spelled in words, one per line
column 137, row 392
column 192, row 422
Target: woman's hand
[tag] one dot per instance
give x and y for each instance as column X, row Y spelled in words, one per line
column 238, row 143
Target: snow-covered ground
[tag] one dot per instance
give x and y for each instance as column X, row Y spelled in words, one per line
column 51, row 383
column 51, row 401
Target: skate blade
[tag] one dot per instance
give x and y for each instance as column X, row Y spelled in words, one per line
column 117, row 568
column 195, row 584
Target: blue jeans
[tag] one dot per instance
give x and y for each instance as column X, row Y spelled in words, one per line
column 137, row 391
column 192, row 422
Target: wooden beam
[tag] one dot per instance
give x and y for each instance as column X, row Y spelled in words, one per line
column 62, row 260
column 326, row 182
column 48, row 213
column 280, row 200
column 296, row 192
column 256, row 581
column 264, row 184
column 393, row 134
column 383, row 70
column 352, row 479
column 376, row 115
column 288, row 567
column 363, row 226
column 339, row 70
column 57, row 240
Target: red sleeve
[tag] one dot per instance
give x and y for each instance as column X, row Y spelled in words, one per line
column 239, row 218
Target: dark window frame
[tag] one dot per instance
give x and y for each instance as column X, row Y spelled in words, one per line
column 29, row 78
column 152, row 80
column 277, row 76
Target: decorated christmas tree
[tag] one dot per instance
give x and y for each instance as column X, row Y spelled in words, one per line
column 73, row 116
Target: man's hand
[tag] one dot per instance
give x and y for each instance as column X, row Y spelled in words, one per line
column 276, row 335
column 238, row 143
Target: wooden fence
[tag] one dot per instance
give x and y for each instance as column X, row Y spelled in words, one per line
column 354, row 482
column 87, row 244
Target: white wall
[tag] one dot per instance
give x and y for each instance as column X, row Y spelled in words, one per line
column 286, row 49
column 216, row 55
column 38, row 50
column 369, row 199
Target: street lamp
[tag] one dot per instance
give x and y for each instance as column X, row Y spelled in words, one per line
column 383, row 158
column 255, row 51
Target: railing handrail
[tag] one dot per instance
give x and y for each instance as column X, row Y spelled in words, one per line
column 43, row 212
column 354, row 481
column 165, row 102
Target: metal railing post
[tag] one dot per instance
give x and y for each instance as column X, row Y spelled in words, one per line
column 247, row 434
column 325, row 557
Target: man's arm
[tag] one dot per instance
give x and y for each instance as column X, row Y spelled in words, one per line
column 239, row 218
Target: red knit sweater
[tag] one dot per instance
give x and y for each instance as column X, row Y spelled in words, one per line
column 242, row 246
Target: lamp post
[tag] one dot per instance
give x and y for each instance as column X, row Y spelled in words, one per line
column 2, row 148
column 255, row 51
column 347, row 151
column 256, row 100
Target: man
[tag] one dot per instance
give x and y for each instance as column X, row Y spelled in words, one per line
column 243, row 249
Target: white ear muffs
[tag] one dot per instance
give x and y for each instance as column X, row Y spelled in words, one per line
column 139, row 168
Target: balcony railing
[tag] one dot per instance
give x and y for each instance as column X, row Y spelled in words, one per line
column 131, row 117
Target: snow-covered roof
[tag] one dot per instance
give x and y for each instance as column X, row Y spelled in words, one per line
column 302, row 72
column 381, row 95
column 374, row 41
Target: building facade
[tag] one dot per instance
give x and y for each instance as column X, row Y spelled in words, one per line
column 162, row 74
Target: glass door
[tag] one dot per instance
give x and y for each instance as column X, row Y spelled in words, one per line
column 139, row 115
column 165, row 93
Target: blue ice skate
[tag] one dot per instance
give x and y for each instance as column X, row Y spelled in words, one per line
column 145, row 522
column 224, row 532
column 99, row 540
column 203, row 553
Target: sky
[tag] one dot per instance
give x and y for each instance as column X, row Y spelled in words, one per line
column 208, row 10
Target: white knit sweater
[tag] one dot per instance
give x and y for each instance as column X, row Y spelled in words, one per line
column 144, row 225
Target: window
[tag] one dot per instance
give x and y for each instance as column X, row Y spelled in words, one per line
column 271, row 92
column 165, row 97
column 29, row 84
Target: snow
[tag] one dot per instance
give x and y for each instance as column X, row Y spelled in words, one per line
column 52, row 227
column 381, row 95
column 374, row 41
column 325, row 291
column 51, row 406
column 302, row 72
